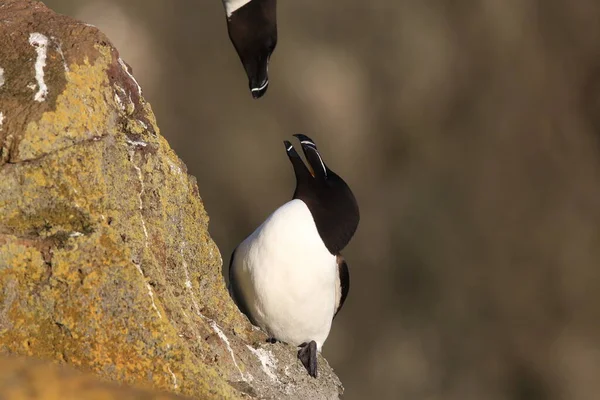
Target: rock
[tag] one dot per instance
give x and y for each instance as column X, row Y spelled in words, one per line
column 106, row 263
column 29, row 379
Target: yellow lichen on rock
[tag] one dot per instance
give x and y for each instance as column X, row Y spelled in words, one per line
column 106, row 262
column 83, row 111
column 90, row 308
column 75, row 256
column 61, row 191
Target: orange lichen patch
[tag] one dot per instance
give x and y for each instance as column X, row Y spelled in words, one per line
column 30, row 379
column 93, row 310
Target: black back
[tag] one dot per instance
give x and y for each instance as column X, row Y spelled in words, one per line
column 328, row 197
column 253, row 31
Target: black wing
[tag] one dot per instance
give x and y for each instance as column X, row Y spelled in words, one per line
column 343, row 283
column 234, row 290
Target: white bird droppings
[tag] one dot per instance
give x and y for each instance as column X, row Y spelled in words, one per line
column 1, row 120
column 150, row 292
column 62, row 55
column 221, row 335
column 1, row 77
column 269, row 365
column 140, row 194
column 40, row 42
column 124, row 66
column 141, row 208
column 119, row 102
column 136, row 143
column 188, row 282
column 173, row 376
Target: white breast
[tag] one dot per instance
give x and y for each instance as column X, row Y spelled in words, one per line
column 232, row 5
column 287, row 277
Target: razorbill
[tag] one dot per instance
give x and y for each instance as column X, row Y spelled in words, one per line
column 252, row 27
column 288, row 276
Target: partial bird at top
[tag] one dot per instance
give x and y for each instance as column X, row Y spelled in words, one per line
column 252, row 27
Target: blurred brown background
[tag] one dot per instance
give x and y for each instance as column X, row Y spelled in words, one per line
column 469, row 133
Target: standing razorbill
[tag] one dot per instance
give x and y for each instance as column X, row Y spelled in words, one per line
column 288, row 276
column 252, row 27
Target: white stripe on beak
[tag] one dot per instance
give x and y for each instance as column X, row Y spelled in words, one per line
column 260, row 88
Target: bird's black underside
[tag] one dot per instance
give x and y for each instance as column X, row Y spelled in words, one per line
column 308, row 356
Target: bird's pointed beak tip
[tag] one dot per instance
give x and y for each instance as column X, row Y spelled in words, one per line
column 259, row 91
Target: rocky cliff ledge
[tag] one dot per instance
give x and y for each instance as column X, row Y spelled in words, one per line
column 106, row 263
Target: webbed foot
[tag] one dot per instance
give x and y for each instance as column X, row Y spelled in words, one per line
column 308, row 356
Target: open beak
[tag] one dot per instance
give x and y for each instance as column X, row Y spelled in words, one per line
column 293, row 153
column 312, row 155
column 297, row 162
column 311, row 170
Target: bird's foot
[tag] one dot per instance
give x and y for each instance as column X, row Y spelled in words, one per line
column 308, row 355
column 273, row 340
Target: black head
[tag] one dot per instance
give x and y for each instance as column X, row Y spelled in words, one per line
column 253, row 32
column 328, row 197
